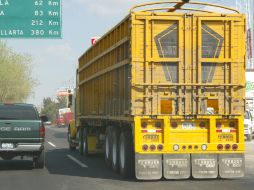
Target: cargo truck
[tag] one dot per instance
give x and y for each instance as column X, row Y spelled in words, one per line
column 162, row 93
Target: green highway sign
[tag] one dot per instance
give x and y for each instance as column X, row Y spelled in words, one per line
column 30, row 19
column 249, row 86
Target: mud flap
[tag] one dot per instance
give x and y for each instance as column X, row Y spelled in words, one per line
column 231, row 165
column 148, row 167
column 176, row 166
column 204, row 165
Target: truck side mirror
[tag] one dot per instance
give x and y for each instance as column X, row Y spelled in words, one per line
column 44, row 118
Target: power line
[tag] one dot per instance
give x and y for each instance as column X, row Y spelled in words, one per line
column 210, row 2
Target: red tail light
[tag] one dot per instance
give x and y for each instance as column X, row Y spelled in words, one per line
column 145, row 147
column 174, row 125
column 144, row 125
column 232, row 124
column 234, row 146
column 202, row 125
column 227, row 146
column 158, row 124
column 218, row 125
column 160, row 147
column 152, row 147
column 220, row 147
column 42, row 132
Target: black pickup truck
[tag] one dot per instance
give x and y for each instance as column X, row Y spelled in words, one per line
column 22, row 133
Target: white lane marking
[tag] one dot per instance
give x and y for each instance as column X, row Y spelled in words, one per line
column 52, row 144
column 77, row 161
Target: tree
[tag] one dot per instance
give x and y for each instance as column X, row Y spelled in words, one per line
column 61, row 102
column 51, row 107
column 16, row 83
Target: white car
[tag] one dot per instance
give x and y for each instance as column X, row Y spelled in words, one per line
column 248, row 125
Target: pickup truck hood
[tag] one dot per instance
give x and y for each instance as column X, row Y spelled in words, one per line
column 19, row 130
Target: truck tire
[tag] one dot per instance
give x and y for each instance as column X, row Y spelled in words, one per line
column 126, row 158
column 249, row 137
column 71, row 146
column 80, row 141
column 39, row 162
column 108, row 147
column 115, row 149
column 85, row 142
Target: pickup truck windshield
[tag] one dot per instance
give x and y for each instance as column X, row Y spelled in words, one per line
column 18, row 112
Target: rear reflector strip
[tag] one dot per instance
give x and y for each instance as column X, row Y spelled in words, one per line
column 151, row 131
column 225, row 130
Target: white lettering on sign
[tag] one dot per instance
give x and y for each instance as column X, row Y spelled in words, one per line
column 53, row 23
column 149, row 163
column 11, row 32
column 208, row 163
column 234, row 162
column 7, row 129
column 4, row 2
column 22, row 129
column 54, row 32
column 38, row 3
column 2, row 13
column 53, row 13
column 53, row 3
column 180, row 163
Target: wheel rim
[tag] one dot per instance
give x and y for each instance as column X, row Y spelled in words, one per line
column 114, row 151
column 69, row 135
column 122, row 154
column 84, row 146
column 107, row 147
column 79, row 143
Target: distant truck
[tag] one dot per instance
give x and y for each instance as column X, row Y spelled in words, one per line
column 64, row 116
column 22, row 133
column 162, row 94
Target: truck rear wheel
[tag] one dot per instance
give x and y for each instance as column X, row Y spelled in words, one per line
column 71, row 146
column 39, row 162
column 108, row 146
column 115, row 149
column 85, row 142
column 126, row 161
column 80, row 141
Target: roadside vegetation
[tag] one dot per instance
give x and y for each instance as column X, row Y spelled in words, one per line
column 16, row 81
column 50, row 107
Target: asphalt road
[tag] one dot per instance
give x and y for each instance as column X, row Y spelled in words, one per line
column 66, row 170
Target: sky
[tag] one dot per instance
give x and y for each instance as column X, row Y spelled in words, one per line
column 55, row 61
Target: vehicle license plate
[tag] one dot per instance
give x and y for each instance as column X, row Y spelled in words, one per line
column 188, row 125
column 7, row 146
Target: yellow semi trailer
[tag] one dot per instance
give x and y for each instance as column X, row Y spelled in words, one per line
column 162, row 93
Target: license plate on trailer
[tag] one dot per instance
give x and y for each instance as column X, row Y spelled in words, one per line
column 225, row 137
column 7, row 146
column 151, row 138
column 188, row 125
